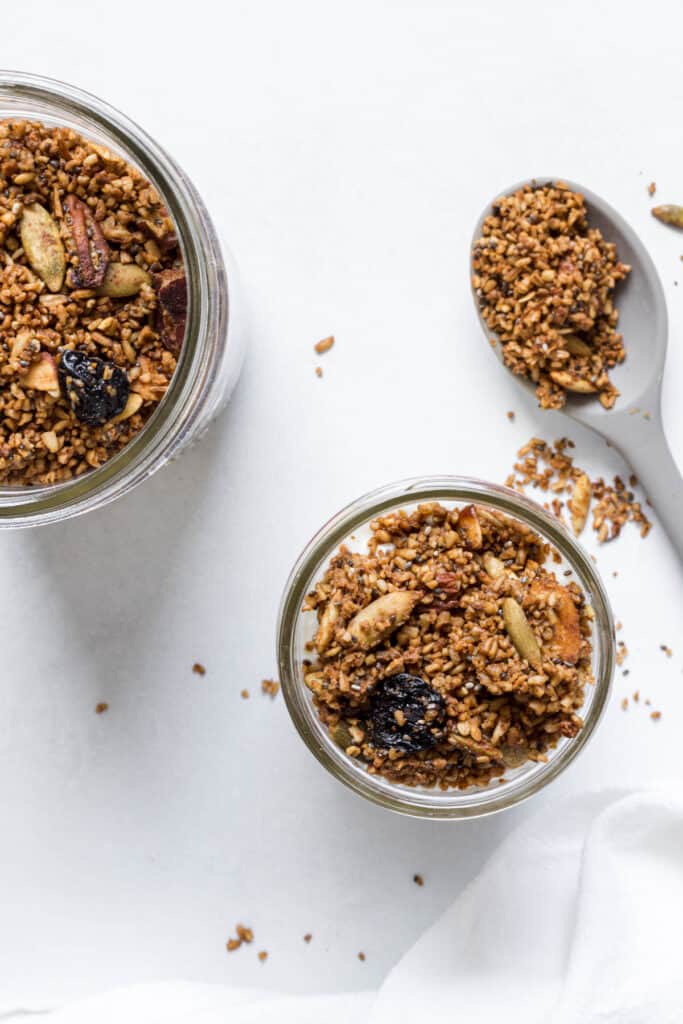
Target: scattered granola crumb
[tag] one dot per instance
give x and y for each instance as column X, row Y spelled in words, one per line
column 101, row 707
column 511, row 416
column 325, row 345
column 636, row 696
column 626, row 671
column 318, row 371
column 270, row 687
column 244, row 694
column 667, row 650
column 307, row 937
column 232, row 944
column 263, row 956
column 418, row 879
column 615, row 573
column 624, row 704
column 648, row 702
column 361, row 957
column 198, row 669
column 244, row 933
column 618, row 626
column 655, row 716
column 651, row 188
column 622, row 652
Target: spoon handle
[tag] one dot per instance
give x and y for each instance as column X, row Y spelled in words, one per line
column 647, row 450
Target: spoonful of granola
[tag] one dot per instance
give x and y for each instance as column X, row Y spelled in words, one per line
column 547, row 256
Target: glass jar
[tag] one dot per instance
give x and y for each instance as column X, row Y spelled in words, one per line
column 296, row 628
column 211, row 356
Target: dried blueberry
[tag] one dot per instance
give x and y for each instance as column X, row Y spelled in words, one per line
column 406, row 714
column 96, row 390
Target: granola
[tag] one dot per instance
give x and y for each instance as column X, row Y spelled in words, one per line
column 544, row 281
column 447, row 651
column 92, row 303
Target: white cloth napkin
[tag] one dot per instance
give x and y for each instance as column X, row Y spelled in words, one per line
column 576, row 919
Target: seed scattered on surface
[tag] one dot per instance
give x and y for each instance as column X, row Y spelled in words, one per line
column 244, row 694
column 669, row 214
column 652, row 188
column 418, row 879
column 655, row 716
column 270, row 688
column 318, row 371
column 510, row 415
column 198, row 669
column 361, row 957
column 307, row 937
column 667, row 650
column 325, row 345
column 101, row 707
column 263, row 956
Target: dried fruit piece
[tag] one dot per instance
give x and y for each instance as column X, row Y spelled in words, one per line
column 42, row 375
column 566, row 640
column 406, row 714
column 87, row 243
column 571, row 382
column 669, row 215
column 579, row 503
column 122, row 280
column 470, row 527
column 96, row 390
column 171, row 287
column 43, row 245
column 379, row 619
column 493, row 565
column 328, row 621
column 521, row 633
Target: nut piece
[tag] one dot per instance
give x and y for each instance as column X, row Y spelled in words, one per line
column 521, row 633
column 328, row 621
column 123, row 279
column 470, row 527
column 131, row 407
column 171, row 289
column 570, row 382
column 87, row 242
column 43, row 246
column 325, row 345
column 493, row 565
column 379, row 619
column 566, row 640
column 42, row 375
column 579, row 503
column 576, row 346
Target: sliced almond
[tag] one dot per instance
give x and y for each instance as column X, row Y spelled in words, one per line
column 521, row 633
column 470, row 527
column 328, row 621
column 50, row 440
column 43, row 246
column 566, row 640
column 131, row 407
column 122, row 280
column 579, row 503
column 88, row 243
column 571, row 382
column 576, row 346
column 378, row 620
column 493, row 565
column 42, row 375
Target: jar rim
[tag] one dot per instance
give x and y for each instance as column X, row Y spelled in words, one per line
column 53, row 101
column 413, row 801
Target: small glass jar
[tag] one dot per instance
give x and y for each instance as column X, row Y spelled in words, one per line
column 296, row 628
column 212, row 352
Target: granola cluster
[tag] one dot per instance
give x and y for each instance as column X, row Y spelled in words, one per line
column 544, row 280
column 89, row 267
column 551, row 468
column 447, row 651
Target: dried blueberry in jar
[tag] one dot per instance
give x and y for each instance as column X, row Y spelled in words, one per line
column 406, row 714
column 95, row 389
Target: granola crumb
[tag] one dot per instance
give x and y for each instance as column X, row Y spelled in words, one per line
column 648, row 702
column 622, row 653
column 244, row 694
column 618, row 626
column 636, row 696
column 510, row 415
column 244, row 933
column 418, row 879
column 655, row 715
column 232, row 944
column 307, row 937
column 652, row 188
column 624, row 704
column 198, row 669
column 263, row 956
column 361, row 957
column 325, row 345
column 318, row 371
column 270, row 687
column 101, row 707
column 667, row 650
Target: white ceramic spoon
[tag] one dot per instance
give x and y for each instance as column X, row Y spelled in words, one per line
column 634, row 425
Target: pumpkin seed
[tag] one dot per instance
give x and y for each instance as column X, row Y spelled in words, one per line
column 379, row 619
column 122, row 280
column 521, row 633
column 43, row 245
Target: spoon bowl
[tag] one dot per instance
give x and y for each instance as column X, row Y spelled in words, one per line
column 634, row 424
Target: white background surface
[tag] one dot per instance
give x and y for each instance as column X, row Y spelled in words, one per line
column 345, row 152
